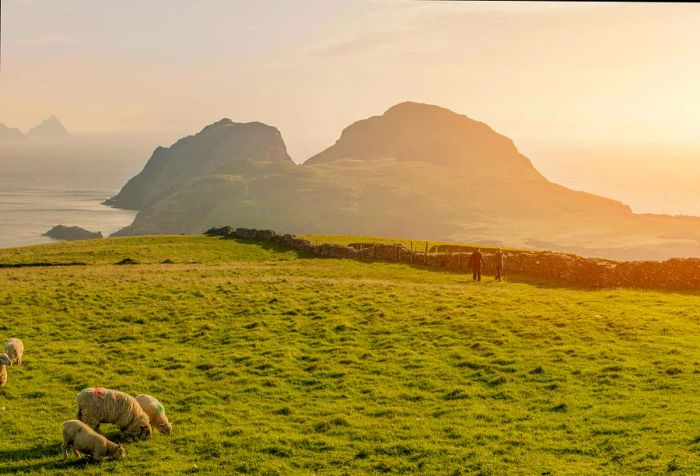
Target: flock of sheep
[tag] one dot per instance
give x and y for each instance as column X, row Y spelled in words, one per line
column 135, row 416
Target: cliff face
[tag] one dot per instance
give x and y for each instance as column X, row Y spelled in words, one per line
column 417, row 171
column 216, row 150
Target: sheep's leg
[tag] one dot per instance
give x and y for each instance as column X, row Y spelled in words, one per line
column 64, row 450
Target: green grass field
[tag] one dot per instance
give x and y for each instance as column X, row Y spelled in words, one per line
column 272, row 363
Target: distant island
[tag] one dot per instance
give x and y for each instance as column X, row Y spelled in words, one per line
column 417, row 171
column 48, row 128
column 71, row 233
column 7, row 133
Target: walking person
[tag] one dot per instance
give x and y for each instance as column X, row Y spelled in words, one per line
column 476, row 261
column 498, row 257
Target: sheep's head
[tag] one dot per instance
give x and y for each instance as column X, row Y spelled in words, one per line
column 119, row 451
column 144, row 431
column 5, row 359
column 165, row 428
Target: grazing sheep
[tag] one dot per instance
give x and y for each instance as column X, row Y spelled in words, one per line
column 4, row 360
column 156, row 413
column 80, row 438
column 101, row 405
column 15, row 349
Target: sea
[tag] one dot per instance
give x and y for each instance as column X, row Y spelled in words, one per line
column 64, row 182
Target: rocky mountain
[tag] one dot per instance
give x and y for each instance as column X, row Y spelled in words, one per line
column 220, row 149
column 7, row 133
column 50, row 127
column 417, row 171
column 413, row 132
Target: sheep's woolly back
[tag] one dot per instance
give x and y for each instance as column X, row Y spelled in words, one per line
column 102, row 405
column 156, row 413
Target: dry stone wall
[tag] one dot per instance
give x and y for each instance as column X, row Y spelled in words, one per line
column 673, row 274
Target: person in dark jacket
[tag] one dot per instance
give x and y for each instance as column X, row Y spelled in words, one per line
column 476, row 261
column 498, row 262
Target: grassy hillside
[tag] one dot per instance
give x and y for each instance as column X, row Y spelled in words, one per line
column 418, row 245
column 271, row 363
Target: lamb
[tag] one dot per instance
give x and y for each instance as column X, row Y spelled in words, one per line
column 14, row 348
column 101, row 405
column 156, row 413
column 80, row 438
column 4, row 360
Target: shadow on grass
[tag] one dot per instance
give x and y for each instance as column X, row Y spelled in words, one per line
column 24, row 460
column 267, row 246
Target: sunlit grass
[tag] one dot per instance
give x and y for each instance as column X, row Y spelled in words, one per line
column 416, row 245
column 272, row 363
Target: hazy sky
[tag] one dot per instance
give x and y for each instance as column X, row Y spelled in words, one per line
column 592, row 93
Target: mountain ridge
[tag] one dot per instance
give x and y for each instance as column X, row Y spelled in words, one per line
column 411, row 131
column 418, row 171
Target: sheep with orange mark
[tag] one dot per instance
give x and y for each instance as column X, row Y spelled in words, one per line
column 102, row 405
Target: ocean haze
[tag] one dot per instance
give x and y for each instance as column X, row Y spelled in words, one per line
column 50, row 182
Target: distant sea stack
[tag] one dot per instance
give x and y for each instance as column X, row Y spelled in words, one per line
column 49, row 128
column 7, row 133
column 71, row 233
column 220, row 148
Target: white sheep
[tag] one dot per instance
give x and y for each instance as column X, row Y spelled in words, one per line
column 156, row 413
column 4, row 361
column 101, row 405
column 80, row 438
column 15, row 349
